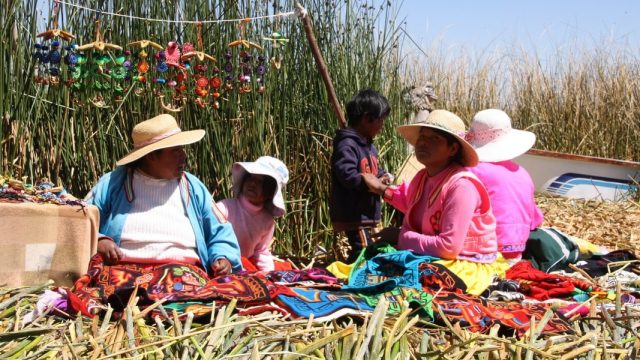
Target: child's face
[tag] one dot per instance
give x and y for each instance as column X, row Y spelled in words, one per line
column 372, row 127
column 252, row 189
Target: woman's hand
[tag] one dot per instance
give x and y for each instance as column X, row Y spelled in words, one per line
column 110, row 252
column 221, row 266
column 374, row 184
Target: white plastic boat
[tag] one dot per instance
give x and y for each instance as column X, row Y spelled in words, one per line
column 567, row 175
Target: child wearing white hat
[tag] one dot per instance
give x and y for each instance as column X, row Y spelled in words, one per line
column 509, row 185
column 257, row 189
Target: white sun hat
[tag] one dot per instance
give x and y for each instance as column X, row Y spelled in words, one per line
column 265, row 165
column 491, row 134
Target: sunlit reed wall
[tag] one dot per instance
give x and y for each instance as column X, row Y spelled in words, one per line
column 578, row 101
column 61, row 135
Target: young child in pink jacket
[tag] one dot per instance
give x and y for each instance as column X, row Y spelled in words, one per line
column 257, row 189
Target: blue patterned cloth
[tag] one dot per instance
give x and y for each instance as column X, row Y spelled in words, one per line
column 387, row 270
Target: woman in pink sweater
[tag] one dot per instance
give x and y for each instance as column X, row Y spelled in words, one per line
column 447, row 209
column 509, row 185
column 257, row 187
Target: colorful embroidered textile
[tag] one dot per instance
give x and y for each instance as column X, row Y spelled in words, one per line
column 295, row 276
column 323, row 303
column 173, row 282
column 477, row 315
column 417, row 299
column 541, row 286
column 436, row 276
column 386, row 271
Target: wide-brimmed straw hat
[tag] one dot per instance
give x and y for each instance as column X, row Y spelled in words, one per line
column 494, row 139
column 442, row 120
column 157, row 133
column 268, row 166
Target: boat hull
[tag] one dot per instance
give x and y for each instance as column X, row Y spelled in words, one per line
column 571, row 176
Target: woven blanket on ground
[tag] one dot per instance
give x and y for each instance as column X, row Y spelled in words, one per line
column 173, row 282
column 476, row 314
column 322, row 303
column 542, row 286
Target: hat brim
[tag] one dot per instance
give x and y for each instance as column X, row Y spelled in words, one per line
column 507, row 147
column 411, row 133
column 181, row 138
column 238, row 172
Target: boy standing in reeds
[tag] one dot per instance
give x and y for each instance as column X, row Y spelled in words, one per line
column 355, row 210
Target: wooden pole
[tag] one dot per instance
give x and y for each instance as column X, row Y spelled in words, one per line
column 322, row 67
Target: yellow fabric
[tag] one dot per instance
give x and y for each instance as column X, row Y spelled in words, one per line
column 340, row 269
column 477, row 276
column 586, row 248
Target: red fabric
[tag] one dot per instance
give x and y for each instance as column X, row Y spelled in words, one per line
column 476, row 314
column 250, row 266
column 172, row 282
column 542, row 286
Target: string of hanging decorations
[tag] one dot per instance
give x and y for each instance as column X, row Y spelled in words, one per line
column 270, row 16
column 177, row 74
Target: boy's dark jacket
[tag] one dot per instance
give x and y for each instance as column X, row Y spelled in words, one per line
column 351, row 204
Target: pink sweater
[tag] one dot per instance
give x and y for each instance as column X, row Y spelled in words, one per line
column 511, row 192
column 447, row 215
column 254, row 227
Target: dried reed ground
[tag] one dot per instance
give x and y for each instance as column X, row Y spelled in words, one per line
column 602, row 335
column 615, row 225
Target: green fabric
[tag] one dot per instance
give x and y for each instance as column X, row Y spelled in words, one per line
column 417, row 299
column 549, row 249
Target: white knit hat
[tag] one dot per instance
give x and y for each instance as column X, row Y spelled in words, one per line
column 265, row 165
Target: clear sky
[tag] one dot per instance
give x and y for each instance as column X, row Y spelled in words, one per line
column 544, row 25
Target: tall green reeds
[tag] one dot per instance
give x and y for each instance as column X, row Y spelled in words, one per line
column 582, row 102
column 54, row 132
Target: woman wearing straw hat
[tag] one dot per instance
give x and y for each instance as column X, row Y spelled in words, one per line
column 153, row 212
column 509, row 185
column 447, row 209
column 257, row 189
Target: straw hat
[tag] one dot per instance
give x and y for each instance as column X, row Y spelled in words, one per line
column 495, row 140
column 157, row 133
column 268, row 166
column 442, row 120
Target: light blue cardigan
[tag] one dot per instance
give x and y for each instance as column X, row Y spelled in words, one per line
column 113, row 195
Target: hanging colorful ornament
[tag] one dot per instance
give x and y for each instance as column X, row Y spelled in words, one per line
column 260, row 71
column 55, row 32
column 172, row 55
column 241, row 41
column 99, row 44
